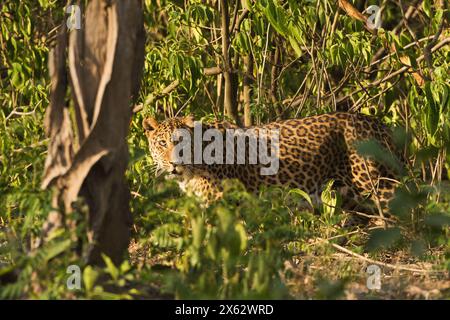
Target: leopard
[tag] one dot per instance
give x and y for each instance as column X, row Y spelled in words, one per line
column 312, row 151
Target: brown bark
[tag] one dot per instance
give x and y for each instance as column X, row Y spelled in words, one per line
column 104, row 61
column 274, row 75
column 230, row 78
column 247, row 84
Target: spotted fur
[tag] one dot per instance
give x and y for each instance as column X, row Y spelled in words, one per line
column 312, row 151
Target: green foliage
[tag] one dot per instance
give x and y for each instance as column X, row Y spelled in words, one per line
column 383, row 239
column 230, row 249
column 244, row 245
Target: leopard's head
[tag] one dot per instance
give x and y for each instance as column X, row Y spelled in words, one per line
column 161, row 143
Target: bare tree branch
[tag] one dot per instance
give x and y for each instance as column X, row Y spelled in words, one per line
column 213, row 71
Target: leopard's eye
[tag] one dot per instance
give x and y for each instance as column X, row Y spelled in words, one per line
column 162, row 143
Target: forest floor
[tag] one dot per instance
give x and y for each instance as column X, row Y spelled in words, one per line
column 402, row 275
column 349, row 274
column 394, row 283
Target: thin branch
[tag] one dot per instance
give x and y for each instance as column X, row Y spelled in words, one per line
column 241, row 18
column 384, row 264
column 235, row 13
column 400, row 71
column 404, row 48
column 22, row 113
column 31, row 146
column 213, row 71
column 410, row 13
column 230, row 101
column 247, row 82
column 427, row 50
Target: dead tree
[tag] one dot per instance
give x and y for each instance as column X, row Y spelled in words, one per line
column 100, row 65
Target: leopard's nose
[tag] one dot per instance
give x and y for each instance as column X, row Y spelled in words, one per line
column 175, row 169
column 171, row 168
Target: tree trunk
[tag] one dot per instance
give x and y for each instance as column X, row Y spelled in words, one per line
column 104, row 65
column 230, row 92
column 274, row 74
column 247, row 84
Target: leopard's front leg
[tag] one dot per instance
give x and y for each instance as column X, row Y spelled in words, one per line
column 204, row 186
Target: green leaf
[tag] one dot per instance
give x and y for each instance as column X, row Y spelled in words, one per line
column 432, row 112
column 125, row 267
column 331, row 200
column 242, row 42
column 426, row 6
column 373, row 149
column 110, row 267
column 242, row 236
column 418, row 248
column 277, row 17
column 296, row 47
column 383, row 239
column 198, row 231
column 89, row 277
column 54, row 249
column 303, row 194
column 405, row 200
column 438, row 220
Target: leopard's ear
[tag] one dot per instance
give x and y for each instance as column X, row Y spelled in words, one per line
column 189, row 121
column 149, row 124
